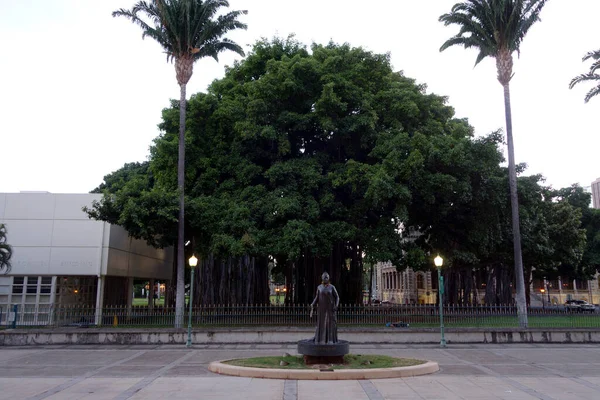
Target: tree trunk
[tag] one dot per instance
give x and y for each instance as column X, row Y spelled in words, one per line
column 514, row 202
column 371, row 283
column 528, row 271
column 180, row 297
column 468, row 285
column 490, row 286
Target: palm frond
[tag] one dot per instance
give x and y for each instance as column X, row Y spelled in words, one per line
column 492, row 25
column 590, row 76
column 184, row 27
column 595, row 66
column 592, row 93
column 213, row 49
column 5, row 251
column 530, row 14
column 592, row 54
column 583, row 78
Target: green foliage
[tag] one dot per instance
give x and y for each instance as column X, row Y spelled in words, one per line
column 5, row 250
column 296, row 154
column 301, row 151
column 316, row 159
column 133, row 201
column 553, row 241
column 590, row 223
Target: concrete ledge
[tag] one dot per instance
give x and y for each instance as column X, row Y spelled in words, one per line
column 337, row 374
column 289, row 335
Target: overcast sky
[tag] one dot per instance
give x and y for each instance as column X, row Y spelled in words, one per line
column 81, row 93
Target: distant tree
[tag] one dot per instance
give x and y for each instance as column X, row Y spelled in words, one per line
column 187, row 30
column 496, row 28
column 591, row 255
column 576, row 196
column 591, row 76
column 553, row 239
column 5, row 251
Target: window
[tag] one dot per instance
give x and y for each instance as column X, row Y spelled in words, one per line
column 32, row 286
column 46, row 287
column 420, row 282
column 18, row 284
column 581, row 285
column 29, row 285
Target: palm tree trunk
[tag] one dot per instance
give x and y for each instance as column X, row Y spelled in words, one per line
column 514, row 202
column 180, row 297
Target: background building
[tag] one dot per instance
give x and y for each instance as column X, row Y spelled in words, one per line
column 404, row 287
column 63, row 259
column 417, row 287
column 596, row 193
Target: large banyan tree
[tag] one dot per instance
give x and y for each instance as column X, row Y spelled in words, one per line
column 312, row 160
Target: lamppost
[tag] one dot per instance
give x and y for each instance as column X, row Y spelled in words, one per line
column 438, row 261
column 193, row 262
column 542, row 291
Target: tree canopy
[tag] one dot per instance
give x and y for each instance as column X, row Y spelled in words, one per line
column 311, row 160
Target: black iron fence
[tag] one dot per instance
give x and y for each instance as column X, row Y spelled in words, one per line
column 233, row 315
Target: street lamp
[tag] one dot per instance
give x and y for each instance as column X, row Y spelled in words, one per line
column 193, row 262
column 438, row 261
column 542, row 291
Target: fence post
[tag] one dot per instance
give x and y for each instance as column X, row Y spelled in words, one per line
column 15, row 311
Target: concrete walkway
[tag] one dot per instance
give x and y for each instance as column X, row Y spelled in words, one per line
column 516, row 371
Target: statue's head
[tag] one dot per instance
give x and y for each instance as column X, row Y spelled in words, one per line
column 325, row 277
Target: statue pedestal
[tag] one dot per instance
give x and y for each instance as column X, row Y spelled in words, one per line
column 312, row 360
column 317, row 353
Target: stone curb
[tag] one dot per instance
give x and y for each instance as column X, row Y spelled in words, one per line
column 291, row 335
column 219, row 367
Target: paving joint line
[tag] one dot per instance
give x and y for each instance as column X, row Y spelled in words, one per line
column 32, row 354
column 290, row 389
column 76, row 380
column 370, row 389
column 407, row 383
column 571, row 377
column 151, row 378
column 510, row 381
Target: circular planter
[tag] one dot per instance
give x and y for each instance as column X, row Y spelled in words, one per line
column 220, row 367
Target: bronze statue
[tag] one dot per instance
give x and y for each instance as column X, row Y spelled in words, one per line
column 327, row 300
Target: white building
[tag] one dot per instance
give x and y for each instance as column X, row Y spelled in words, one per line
column 596, row 193
column 61, row 258
column 403, row 287
column 417, row 287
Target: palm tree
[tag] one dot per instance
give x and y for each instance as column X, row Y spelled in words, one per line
column 496, row 29
column 590, row 76
column 187, row 30
column 5, row 251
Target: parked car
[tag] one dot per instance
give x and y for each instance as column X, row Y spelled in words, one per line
column 579, row 306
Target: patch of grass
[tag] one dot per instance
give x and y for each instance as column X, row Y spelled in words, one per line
column 144, row 302
column 351, row 361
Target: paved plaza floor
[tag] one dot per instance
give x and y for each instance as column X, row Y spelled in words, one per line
column 173, row 372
